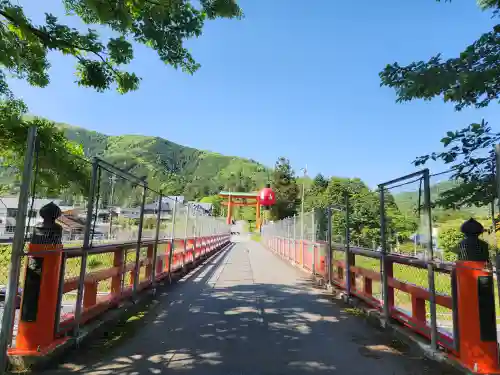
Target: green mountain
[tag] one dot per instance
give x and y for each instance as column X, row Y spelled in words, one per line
column 408, row 202
column 170, row 167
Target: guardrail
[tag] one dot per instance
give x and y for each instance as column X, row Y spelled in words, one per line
column 114, row 273
column 358, row 272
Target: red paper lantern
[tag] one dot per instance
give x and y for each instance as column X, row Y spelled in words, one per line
column 267, row 197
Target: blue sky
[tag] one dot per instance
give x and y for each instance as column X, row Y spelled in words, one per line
column 294, row 78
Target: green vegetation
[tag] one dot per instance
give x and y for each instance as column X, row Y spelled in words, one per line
column 364, row 211
column 161, row 25
column 4, row 263
column 285, row 187
column 470, row 80
column 167, row 166
column 101, row 64
column 255, row 237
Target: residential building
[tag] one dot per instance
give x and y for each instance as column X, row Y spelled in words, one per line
column 8, row 212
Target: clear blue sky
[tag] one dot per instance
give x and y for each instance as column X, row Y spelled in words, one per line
column 294, row 78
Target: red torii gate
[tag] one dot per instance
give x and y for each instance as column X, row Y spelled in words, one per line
column 239, row 199
column 265, row 197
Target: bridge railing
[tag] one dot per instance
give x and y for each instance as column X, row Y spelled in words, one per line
column 407, row 282
column 409, row 296
column 115, row 235
column 115, row 274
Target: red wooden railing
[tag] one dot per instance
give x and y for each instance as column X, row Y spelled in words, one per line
column 112, row 283
column 312, row 255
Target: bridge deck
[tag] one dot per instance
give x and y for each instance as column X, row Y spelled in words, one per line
column 247, row 312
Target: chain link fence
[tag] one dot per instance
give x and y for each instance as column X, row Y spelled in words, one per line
column 110, row 236
column 409, row 254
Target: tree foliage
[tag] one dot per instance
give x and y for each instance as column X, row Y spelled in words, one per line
column 470, row 154
column 59, row 163
column 470, row 80
column 448, row 240
column 216, row 202
column 285, row 187
column 172, row 168
column 163, row 25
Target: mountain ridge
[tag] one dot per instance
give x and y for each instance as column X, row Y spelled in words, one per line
column 168, row 166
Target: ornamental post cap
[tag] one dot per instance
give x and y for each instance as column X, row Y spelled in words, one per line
column 50, row 211
column 472, row 227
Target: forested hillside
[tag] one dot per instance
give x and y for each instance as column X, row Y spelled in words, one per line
column 167, row 166
column 181, row 170
column 175, row 169
column 408, row 201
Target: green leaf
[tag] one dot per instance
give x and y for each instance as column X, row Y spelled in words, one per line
column 446, row 141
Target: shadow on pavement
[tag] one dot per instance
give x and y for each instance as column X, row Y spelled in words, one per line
column 208, row 327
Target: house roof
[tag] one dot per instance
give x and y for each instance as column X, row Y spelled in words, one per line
column 12, row 202
column 207, row 207
column 165, row 206
column 73, row 222
column 172, row 198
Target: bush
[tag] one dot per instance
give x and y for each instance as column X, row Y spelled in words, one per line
column 448, row 240
column 5, row 251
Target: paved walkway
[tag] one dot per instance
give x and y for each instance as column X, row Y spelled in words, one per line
column 249, row 313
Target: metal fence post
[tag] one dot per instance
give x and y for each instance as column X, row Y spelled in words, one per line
column 295, row 238
column 313, row 240
column 347, row 249
column 288, row 238
column 383, row 265
column 157, row 236
column 186, row 222
column 86, row 244
column 329, row 245
column 302, row 238
column 195, row 223
column 497, row 190
column 17, row 250
column 430, row 260
column 139, row 239
column 172, row 242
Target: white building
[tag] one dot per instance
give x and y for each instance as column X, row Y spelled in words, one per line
column 8, row 212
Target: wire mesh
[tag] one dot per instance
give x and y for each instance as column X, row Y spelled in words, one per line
column 117, row 209
column 406, row 221
column 408, row 232
column 448, row 214
column 50, row 195
column 122, row 211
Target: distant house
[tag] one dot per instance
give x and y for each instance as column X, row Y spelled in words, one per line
column 73, row 226
column 152, row 208
column 166, row 207
column 204, row 208
column 8, row 212
column 173, row 198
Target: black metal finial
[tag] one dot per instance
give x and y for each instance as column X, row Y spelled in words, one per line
column 50, row 211
column 472, row 228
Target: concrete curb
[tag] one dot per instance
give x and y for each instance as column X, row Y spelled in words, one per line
column 108, row 321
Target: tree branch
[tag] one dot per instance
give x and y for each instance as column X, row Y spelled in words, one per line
column 47, row 40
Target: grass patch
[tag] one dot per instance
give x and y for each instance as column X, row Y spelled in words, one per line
column 256, row 237
column 354, row 311
column 411, row 275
